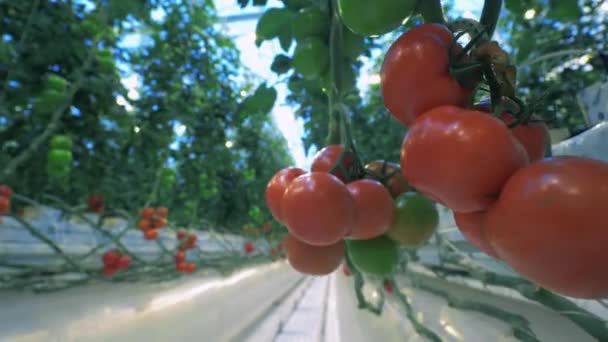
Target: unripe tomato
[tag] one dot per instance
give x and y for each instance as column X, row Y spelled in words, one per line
column 48, row 101
column 318, row 209
column 313, row 260
column 378, row 256
column 391, row 176
column 60, row 157
column 276, row 189
column 56, row 82
column 374, row 210
column 61, row 142
column 374, row 18
column 471, row 226
column 328, row 156
column 416, row 220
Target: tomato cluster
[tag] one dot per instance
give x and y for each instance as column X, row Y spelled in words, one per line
column 114, row 261
column 543, row 217
column 59, row 159
column 187, row 241
column 152, row 221
column 54, row 93
column 331, row 210
column 6, row 193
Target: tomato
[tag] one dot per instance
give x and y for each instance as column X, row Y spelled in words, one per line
column 49, row 100
column 374, row 211
column 390, row 174
column 273, row 251
column 378, row 256
column 96, row 203
column 180, row 256
column 144, row 224
column 189, row 267
column 151, row 234
column 267, row 228
column 249, row 247
column 61, row 142
column 191, row 241
column 318, row 209
column 109, row 271
column 5, row 204
column 167, row 179
column 180, row 234
column 328, row 156
column 162, row 212
column 111, row 257
column 416, row 220
column 313, row 260
column 147, row 213
column 534, row 135
column 60, row 157
column 415, row 75
column 159, row 222
column 460, row 158
column 56, row 82
column 374, row 18
column 311, row 58
column 124, row 262
column 388, row 286
column 471, row 226
column 310, row 22
column 549, row 225
column 6, row 191
column 276, row 189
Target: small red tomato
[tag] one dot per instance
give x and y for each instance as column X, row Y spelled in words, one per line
column 191, row 241
column 111, row 257
column 180, row 256
column 471, row 226
column 162, row 212
column 325, row 160
column 346, row 270
column 313, row 260
column 5, row 204
column 151, row 234
column 189, row 267
column 124, row 262
column 276, row 189
column 6, row 191
column 96, row 203
column 145, row 224
column 109, row 271
column 159, row 223
column 249, row 247
column 180, row 267
column 374, row 209
column 180, row 234
column 147, row 213
column 388, row 286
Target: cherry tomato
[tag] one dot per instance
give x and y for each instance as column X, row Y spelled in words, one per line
column 111, row 257
column 388, row 286
column 109, row 271
column 151, row 234
column 327, row 157
column 191, row 241
column 96, row 203
column 549, row 225
column 318, row 209
column 313, row 260
column 145, row 224
column 471, row 226
column 162, row 212
column 159, row 223
column 180, row 256
column 415, row 75
column 147, row 213
column 6, row 191
column 273, row 251
column 61, row 142
column 390, row 175
column 5, row 204
column 378, row 256
column 416, row 220
column 189, row 267
column 249, row 248
column 56, row 82
column 276, row 189
column 460, row 158
column 124, row 262
column 180, row 234
column 374, row 18
column 374, row 210
column 60, row 157
column 267, row 227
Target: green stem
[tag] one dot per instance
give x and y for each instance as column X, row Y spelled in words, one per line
column 334, row 91
column 490, row 15
column 431, row 11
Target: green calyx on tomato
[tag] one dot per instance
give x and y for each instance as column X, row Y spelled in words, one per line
column 311, row 58
column 310, row 22
column 374, row 18
column 61, row 142
column 377, row 256
column 416, row 220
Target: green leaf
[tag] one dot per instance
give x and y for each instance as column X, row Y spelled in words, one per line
column 281, row 64
column 261, row 101
column 524, row 49
column 517, row 7
column 285, row 39
column 259, row 2
column 272, row 23
column 564, row 10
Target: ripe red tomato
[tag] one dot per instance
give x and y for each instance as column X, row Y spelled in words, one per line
column 124, row 262
column 273, row 251
column 534, row 136
column 5, row 204
column 388, row 286
column 313, row 260
column 111, row 258
column 318, row 209
column 151, row 234
column 159, row 223
column 180, row 234
column 109, row 271
column 276, row 189
column 180, row 256
column 147, row 213
column 415, row 75
column 162, row 212
column 191, row 241
column 6, row 191
column 395, row 182
column 189, row 267
column 460, row 158
column 249, row 247
column 374, row 210
column 416, row 219
column 327, row 157
column 549, row 225
column 145, row 224
column 96, row 203
column 471, row 225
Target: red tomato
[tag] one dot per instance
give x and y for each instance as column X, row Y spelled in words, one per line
column 159, row 223
column 460, row 158
column 162, row 212
column 5, row 204
column 390, row 174
column 96, row 203
column 180, row 256
column 549, row 225
column 191, row 241
column 111, row 257
column 124, row 262
column 189, row 267
column 145, row 224
column 249, row 248
column 415, row 75
column 276, row 189
column 318, row 209
column 6, row 191
column 151, row 234
column 147, row 213
column 109, row 271
column 346, row 270
column 313, row 260
column 325, row 160
column 180, row 234
column 471, row 226
column 534, row 136
column 374, row 210
column 388, row 286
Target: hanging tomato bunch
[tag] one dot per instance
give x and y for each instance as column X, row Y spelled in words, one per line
column 59, row 159
column 114, row 261
column 6, row 193
column 152, row 221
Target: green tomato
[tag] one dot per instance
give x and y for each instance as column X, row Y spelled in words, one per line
column 377, row 256
column 416, row 220
column 167, row 179
column 105, row 62
column 59, row 158
column 61, row 142
column 311, row 58
column 56, row 82
column 58, row 171
column 49, row 100
column 310, row 22
column 374, row 18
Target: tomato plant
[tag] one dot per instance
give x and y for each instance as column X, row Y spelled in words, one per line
column 374, row 18
column 311, row 57
column 471, row 225
column 416, row 220
column 96, row 203
column 318, row 209
column 313, row 260
column 310, row 21
column 390, row 174
column 460, row 158
column 328, row 156
column 415, row 75
column 378, row 256
column 549, row 225
column 374, row 211
column 276, row 189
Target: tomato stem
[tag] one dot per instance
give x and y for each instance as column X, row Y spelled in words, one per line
column 489, row 15
column 335, row 53
column 431, row 11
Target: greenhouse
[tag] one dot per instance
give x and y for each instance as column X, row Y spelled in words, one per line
column 303, row 170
